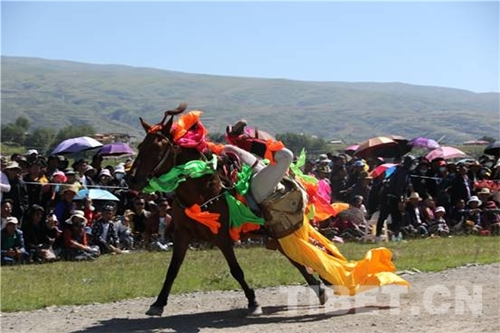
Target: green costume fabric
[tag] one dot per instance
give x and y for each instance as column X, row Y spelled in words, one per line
column 193, row 169
column 239, row 213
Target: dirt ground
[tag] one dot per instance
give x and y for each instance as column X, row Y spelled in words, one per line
column 465, row 299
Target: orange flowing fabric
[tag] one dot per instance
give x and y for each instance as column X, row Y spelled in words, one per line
column 271, row 147
column 348, row 277
column 184, row 123
column 211, row 220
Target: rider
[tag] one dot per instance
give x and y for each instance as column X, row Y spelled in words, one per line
column 265, row 178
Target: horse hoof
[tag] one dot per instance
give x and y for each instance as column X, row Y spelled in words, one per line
column 155, row 310
column 255, row 310
column 323, row 298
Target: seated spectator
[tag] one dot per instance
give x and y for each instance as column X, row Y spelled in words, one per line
column 456, row 218
column 439, row 226
column 490, row 219
column 473, row 223
column 139, row 219
column 38, row 244
column 13, row 250
column 89, row 211
column 415, row 222
column 75, row 239
column 428, row 207
column 103, row 231
column 54, row 234
column 158, row 227
column 124, row 231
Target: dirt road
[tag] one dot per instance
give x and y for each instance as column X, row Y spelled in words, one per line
column 465, row 299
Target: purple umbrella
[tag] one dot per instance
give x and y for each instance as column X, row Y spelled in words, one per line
column 76, row 145
column 422, row 142
column 116, row 149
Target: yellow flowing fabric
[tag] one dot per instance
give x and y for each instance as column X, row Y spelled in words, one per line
column 347, row 277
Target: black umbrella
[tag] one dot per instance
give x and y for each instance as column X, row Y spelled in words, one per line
column 493, row 149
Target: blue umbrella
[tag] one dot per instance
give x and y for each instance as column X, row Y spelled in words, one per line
column 96, row 194
column 76, row 145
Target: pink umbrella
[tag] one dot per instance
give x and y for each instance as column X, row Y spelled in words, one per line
column 381, row 169
column 445, row 152
column 351, row 149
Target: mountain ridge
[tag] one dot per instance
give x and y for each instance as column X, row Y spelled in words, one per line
column 112, row 97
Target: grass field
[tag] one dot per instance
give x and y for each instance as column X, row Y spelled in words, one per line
column 141, row 274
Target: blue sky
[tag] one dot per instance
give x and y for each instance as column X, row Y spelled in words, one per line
column 450, row 44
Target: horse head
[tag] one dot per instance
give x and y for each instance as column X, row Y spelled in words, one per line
column 156, row 151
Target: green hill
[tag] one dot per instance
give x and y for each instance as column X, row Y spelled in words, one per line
column 111, row 98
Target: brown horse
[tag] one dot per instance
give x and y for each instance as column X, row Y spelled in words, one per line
column 157, row 155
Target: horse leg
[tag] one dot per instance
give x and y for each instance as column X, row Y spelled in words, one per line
column 181, row 244
column 236, row 271
column 310, row 279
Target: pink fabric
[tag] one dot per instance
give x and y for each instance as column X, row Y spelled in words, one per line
column 324, row 190
column 194, row 138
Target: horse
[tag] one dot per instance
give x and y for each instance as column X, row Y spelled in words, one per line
column 158, row 153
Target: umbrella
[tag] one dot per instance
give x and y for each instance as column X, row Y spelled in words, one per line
column 378, row 146
column 351, row 149
column 402, row 148
column 381, row 169
column 96, row 194
column 421, row 142
column 493, row 149
column 445, row 152
column 76, row 145
column 116, row 149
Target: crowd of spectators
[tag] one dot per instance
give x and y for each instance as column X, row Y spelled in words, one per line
column 46, row 214
column 417, row 197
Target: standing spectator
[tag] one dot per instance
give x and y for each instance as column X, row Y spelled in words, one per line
column 65, row 206
column 362, row 187
column 13, row 250
column 461, row 187
column 97, row 165
column 34, row 182
column 4, row 180
column 394, row 193
column 104, row 178
column 54, row 233
column 6, row 210
column 88, row 176
column 120, row 189
column 18, row 192
column 420, row 180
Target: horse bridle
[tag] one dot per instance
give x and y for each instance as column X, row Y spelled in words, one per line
column 163, row 160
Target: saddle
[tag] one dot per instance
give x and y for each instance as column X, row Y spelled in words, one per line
column 283, row 211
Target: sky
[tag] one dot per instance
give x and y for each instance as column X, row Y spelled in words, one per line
column 448, row 44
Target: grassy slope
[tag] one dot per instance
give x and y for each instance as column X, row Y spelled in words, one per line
column 112, row 278
column 112, row 98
